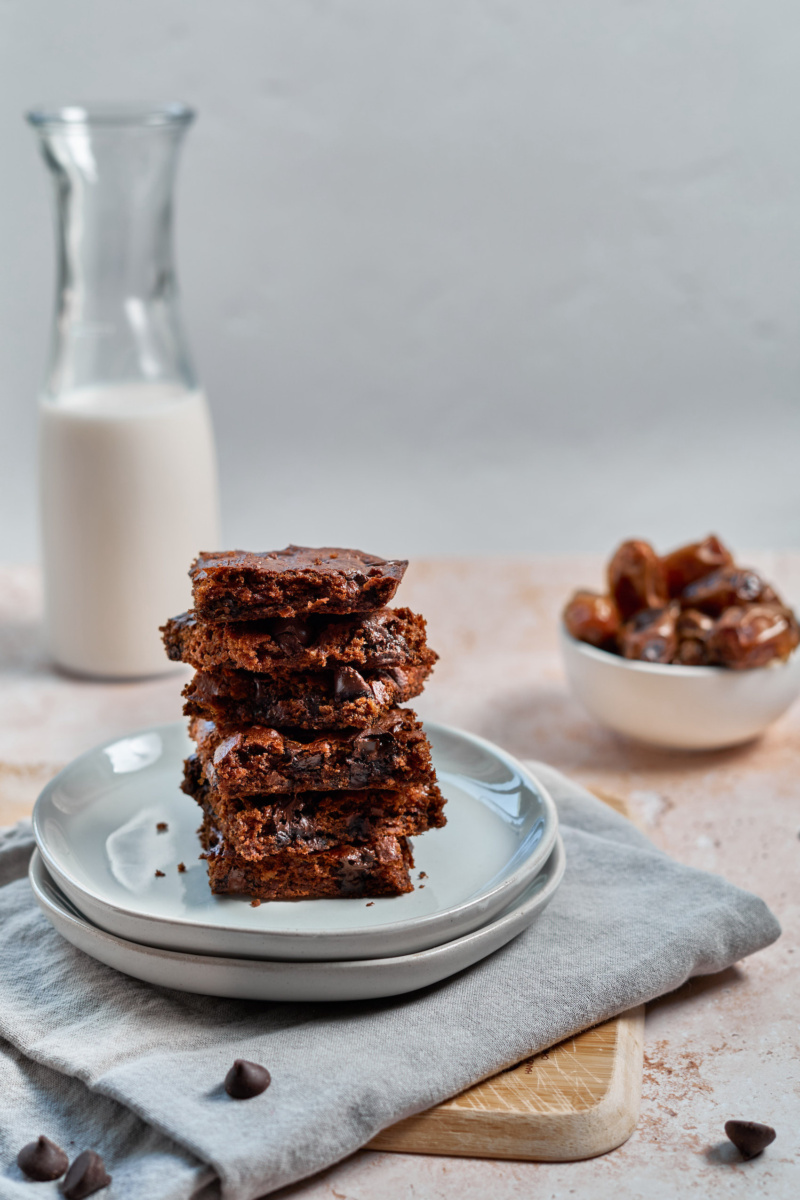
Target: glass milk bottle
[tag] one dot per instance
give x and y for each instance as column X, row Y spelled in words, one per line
column 128, row 476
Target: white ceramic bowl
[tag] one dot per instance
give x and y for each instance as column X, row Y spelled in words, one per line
column 685, row 708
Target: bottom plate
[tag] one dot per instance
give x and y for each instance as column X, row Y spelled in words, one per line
column 253, row 979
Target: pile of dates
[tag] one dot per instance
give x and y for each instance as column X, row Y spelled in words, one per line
column 693, row 607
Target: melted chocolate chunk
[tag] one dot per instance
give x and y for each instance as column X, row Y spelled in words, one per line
column 353, row 871
column 42, row 1160
column 359, row 827
column 246, row 1079
column 86, row 1176
column 291, row 634
column 349, row 685
column 749, row 1137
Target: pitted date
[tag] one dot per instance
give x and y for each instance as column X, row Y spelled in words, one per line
column 744, row 638
column 651, row 635
column 693, row 629
column 690, row 563
column 730, row 587
column 636, row 579
column 592, row 618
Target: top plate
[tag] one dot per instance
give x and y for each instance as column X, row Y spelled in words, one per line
column 95, row 825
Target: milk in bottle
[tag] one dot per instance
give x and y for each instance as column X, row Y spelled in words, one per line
column 128, row 476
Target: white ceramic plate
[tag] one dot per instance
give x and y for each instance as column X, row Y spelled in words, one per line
column 95, row 825
column 254, row 979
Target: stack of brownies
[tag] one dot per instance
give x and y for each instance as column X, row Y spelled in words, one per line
column 310, row 776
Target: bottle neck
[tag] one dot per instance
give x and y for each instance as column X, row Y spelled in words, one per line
column 117, row 318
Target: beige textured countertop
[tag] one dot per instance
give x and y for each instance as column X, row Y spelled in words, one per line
column 724, row 1046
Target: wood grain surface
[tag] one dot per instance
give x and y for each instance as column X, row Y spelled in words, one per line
column 577, row 1100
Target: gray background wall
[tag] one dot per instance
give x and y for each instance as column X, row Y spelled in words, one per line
column 459, row 276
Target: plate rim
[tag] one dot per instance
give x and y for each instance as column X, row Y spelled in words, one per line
column 535, row 861
column 343, row 966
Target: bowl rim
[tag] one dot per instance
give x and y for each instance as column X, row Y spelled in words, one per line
column 673, row 670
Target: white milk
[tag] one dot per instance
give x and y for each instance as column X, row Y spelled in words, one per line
column 128, row 490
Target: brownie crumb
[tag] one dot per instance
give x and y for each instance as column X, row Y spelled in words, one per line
column 181, row 868
column 422, row 875
column 161, row 826
column 370, row 903
column 421, row 886
column 255, row 904
column 159, row 874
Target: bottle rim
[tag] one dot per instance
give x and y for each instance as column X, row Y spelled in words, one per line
column 117, row 115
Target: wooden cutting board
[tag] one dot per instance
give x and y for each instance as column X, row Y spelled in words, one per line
column 576, row 1100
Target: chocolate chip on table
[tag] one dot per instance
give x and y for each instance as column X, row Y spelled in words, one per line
column 86, row 1176
column 42, row 1160
column 161, row 826
column 749, row 1137
column 181, row 868
column 246, row 1079
column 159, row 874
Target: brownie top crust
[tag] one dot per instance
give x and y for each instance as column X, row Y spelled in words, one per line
column 243, row 585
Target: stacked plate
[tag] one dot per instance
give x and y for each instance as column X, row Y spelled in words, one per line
column 117, row 873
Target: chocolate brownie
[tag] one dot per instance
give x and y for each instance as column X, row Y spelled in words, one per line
column 316, row 700
column 390, row 753
column 238, row 585
column 303, row 822
column 378, row 868
column 389, row 637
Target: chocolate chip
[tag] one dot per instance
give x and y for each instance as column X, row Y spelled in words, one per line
column 42, row 1160
column 291, row 635
column 181, row 868
column 312, row 762
column 349, row 685
column 749, row 1137
column 246, row 1079
column 86, row 1176
column 159, row 874
column 162, row 826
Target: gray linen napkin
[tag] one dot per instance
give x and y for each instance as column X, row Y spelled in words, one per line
column 96, row 1059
